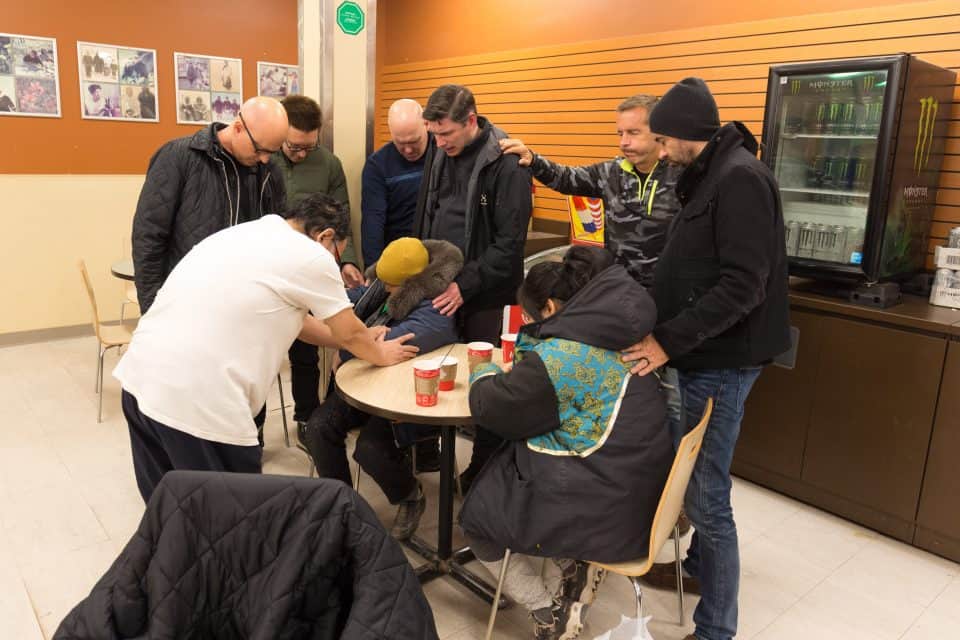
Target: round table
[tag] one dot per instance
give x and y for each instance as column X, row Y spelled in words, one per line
column 122, row 269
column 388, row 392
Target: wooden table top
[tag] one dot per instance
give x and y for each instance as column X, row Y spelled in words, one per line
column 388, row 391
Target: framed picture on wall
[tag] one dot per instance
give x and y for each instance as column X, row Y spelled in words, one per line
column 209, row 89
column 278, row 80
column 29, row 76
column 117, row 83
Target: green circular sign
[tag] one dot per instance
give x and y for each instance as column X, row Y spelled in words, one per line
column 350, row 18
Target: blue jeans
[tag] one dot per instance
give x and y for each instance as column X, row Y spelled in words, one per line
column 713, row 556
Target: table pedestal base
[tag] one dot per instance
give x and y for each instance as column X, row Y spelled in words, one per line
column 436, row 567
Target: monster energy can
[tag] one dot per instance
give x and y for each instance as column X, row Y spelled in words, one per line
column 806, row 240
column 793, row 237
column 848, row 115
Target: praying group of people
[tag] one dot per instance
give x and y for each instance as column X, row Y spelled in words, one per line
column 243, row 257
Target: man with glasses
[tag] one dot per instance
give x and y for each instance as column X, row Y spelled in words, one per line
column 309, row 168
column 195, row 186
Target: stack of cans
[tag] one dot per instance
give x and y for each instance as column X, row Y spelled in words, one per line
column 946, row 280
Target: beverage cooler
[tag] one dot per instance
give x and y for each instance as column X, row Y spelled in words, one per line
column 856, row 146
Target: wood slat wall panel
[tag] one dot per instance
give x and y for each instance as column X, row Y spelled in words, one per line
column 907, row 11
column 562, row 99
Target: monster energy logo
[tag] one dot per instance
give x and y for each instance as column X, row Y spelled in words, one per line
column 794, row 87
column 928, row 117
column 869, row 82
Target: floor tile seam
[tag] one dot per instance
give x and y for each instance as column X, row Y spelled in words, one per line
column 925, row 609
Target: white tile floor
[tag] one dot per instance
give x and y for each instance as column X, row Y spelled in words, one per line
column 68, row 504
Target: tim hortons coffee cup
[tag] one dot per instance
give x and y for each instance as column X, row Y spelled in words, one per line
column 426, row 380
column 478, row 353
column 507, row 343
column 448, row 373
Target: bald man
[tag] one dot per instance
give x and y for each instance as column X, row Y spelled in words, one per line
column 195, row 186
column 391, row 180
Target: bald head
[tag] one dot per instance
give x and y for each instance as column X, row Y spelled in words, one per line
column 407, row 128
column 259, row 134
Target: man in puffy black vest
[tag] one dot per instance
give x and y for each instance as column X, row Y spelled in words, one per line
column 721, row 292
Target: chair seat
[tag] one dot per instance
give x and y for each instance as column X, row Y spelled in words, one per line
column 632, row 568
column 115, row 335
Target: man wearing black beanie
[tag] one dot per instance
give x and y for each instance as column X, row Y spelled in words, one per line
column 721, row 292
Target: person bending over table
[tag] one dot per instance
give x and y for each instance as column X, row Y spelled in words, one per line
column 587, row 450
column 410, row 274
column 204, row 355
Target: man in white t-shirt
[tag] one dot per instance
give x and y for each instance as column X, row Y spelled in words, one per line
column 204, row 356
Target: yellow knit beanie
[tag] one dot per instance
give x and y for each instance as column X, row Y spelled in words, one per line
column 402, row 259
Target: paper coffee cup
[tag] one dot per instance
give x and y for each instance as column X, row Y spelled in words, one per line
column 426, row 380
column 507, row 343
column 448, row 373
column 478, row 353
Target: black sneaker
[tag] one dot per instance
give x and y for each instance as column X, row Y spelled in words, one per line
column 408, row 516
column 580, row 582
column 562, row 621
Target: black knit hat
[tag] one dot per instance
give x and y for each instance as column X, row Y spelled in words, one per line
column 687, row 111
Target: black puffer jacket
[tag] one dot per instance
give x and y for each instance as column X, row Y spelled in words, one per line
column 190, row 194
column 251, row 557
column 721, row 281
column 587, row 453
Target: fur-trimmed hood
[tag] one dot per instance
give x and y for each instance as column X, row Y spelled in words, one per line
column 446, row 260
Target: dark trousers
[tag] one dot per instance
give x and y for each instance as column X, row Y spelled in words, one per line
column 376, row 451
column 304, row 379
column 485, row 325
column 158, row 448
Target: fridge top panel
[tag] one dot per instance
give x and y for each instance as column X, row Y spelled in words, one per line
column 823, row 151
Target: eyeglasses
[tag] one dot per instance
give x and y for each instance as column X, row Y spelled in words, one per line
column 256, row 147
column 293, row 148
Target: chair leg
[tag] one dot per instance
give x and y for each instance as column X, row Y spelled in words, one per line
column 96, row 376
column 356, row 483
column 496, row 598
column 676, row 550
column 638, row 590
column 100, row 386
column 283, row 413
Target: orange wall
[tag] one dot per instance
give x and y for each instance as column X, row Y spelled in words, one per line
column 422, row 30
column 248, row 29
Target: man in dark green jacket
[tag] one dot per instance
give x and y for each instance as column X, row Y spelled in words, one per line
column 308, row 168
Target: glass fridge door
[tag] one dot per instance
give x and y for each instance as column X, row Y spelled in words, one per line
column 824, row 155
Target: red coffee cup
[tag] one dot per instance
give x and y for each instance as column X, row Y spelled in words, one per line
column 507, row 343
column 448, row 373
column 426, row 379
column 478, row 353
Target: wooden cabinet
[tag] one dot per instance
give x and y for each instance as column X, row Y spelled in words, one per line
column 938, row 520
column 872, row 414
column 867, row 425
column 774, row 430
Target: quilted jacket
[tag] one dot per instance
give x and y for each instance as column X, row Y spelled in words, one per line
column 189, row 194
column 244, row 556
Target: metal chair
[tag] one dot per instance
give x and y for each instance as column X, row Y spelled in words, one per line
column 664, row 522
column 108, row 337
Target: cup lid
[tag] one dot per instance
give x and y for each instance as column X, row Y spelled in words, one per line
column 426, row 365
column 480, row 346
column 446, row 360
